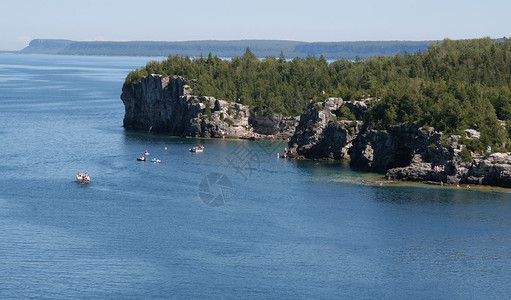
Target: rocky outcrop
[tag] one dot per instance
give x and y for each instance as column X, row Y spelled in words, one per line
column 164, row 104
column 402, row 152
column 154, row 103
column 398, row 146
column 407, row 152
column 276, row 125
column 210, row 117
column 493, row 169
column 323, row 134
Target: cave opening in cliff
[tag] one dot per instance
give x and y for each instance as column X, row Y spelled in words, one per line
column 403, row 157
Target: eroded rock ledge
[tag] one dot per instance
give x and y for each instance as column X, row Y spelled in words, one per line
column 164, row 104
column 403, row 152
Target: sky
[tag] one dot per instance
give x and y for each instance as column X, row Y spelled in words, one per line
column 311, row 21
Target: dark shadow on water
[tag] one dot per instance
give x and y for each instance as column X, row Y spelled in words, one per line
column 335, row 172
column 144, row 136
column 322, row 164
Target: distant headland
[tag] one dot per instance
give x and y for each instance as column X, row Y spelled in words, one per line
column 261, row 48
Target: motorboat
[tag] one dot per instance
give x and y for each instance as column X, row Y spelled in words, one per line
column 142, row 158
column 199, row 148
column 83, row 178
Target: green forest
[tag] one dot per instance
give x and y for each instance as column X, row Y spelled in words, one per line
column 451, row 86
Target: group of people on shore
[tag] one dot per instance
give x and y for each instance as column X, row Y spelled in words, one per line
column 488, row 150
column 284, row 154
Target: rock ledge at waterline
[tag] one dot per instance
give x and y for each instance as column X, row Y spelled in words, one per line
column 402, row 152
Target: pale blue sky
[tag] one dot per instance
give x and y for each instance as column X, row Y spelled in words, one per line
column 319, row 20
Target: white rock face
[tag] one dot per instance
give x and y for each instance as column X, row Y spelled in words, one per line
column 472, row 134
column 163, row 104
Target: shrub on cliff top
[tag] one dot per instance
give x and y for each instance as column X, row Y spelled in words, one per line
column 345, row 113
column 136, row 76
column 465, row 155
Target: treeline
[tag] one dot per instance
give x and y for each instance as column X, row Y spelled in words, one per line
column 451, row 86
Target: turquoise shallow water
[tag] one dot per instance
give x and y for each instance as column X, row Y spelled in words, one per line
column 232, row 222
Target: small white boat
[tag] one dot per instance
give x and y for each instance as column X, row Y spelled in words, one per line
column 146, row 153
column 83, row 178
column 142, row 158
column 155, row 160
column 197, row 149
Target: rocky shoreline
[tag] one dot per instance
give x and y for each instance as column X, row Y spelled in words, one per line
column 403, row 152
column 332, row 129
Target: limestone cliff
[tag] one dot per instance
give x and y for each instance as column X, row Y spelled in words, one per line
column 435, row 162
column 164, row 104
column 380, row 150
column 403, row 152
column 322, row 133
column 276, row 125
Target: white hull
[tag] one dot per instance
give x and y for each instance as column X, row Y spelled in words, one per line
column 82, row 179
column 197, row 149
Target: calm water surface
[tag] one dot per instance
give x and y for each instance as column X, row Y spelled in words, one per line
column 232, row 222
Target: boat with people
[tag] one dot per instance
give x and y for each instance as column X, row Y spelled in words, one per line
column 146, row 153
column 155, row 160
column 82, row 177
column 142, row 158
column 199, row 148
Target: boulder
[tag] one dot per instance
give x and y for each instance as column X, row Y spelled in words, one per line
column 320, row 134
column 472, row 134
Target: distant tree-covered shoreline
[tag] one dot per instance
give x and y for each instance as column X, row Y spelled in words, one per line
column 451, row 86
column 261, row 48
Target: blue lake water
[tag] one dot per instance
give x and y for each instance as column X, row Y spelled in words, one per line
column 231, row 222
